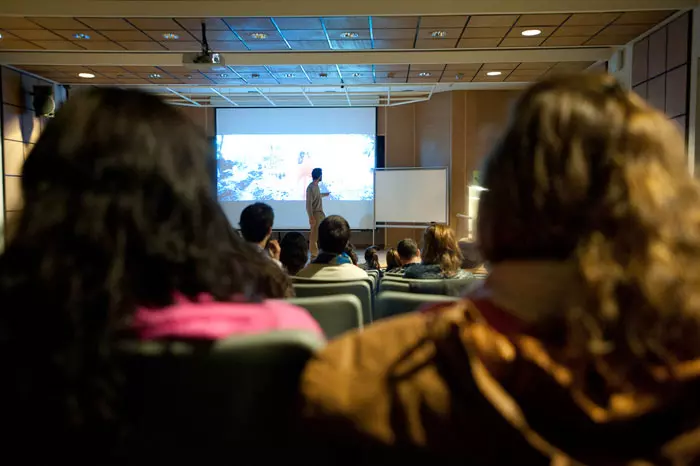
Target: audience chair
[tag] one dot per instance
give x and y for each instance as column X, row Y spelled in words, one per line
column 361, row 288
column 335, row 314
column 197, row 402
column 394, row 284
column 369, row 280
column 393, row 303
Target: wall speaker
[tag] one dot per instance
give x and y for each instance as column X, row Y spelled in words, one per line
column 44, row 101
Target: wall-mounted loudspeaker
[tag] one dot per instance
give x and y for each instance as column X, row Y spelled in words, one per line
column 44, row 101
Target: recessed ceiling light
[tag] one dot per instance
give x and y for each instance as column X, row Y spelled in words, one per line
column 531, row 32
column 438, row 34
column 81, row 36
column 223, row 75
column 188, row 76
column 349, row 35
column 86, row 75
column 494, row 73
column 289, row 75
column 170, row 36
column 323, row 75
column 459, row 76
column 255, row 75
column 258, row 35
column 424, row 74
column 0, row 36
column 356, row 75
column 154, row 76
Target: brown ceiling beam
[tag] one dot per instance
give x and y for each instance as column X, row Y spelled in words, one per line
column 261, row 8
column 418, row 57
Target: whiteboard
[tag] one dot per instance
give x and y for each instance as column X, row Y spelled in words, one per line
column 411, row 195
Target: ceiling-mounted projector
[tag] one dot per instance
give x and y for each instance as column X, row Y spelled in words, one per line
column 204, row 60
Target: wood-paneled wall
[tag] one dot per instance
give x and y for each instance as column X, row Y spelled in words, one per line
column 660, row 69
column 20, row 131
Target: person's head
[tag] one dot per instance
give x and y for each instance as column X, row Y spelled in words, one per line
column 440, row 248
column 295, row 252
column 333, row 234
column 372, row 258
column 350, row 251
column 408, row 251
column 393, row 260
column 256, row 222
column 588, row 174
column 471, row 256
column 317, row 174
column 119, row 214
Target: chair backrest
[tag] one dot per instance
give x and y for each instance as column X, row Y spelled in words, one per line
column 440, row 286
column 389, row 284
column 369, row 280
column 335, row 314
column 392, row 303
column 202, row 402
column 361, row 289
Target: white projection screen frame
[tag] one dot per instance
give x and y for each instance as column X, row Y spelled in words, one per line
column 411, row 195
column 341, row 141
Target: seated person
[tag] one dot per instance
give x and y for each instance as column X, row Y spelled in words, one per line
column 350, row 251
column 441, row 256
column 472, row 261
column 371, row 259
column 256, row 227
column 393, row 260
column 409, row 254
column 120, row 238
column 295, row 252
column 333, row 263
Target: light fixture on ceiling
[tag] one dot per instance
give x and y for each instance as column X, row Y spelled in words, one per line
column 81, row 36
column 255, row 75
column 0, row 36
column 459, row 76
column 289, row 75
column 349, row 35
column 86, row 75
column 531, row 32
column 188, row 76
column 154, row 76
column 424, row 74
column 438, row 34
column 170, row 36
column 323, row 75
column 494, row 73
column 258, row 35
column 356, row 75
column 223, row 75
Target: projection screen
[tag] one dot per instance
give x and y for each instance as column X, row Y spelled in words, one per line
column 267, row 155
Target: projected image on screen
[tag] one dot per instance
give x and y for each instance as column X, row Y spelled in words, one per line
column 267, row 155
column 277, row 167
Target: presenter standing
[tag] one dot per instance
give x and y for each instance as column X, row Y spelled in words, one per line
column 314, row 209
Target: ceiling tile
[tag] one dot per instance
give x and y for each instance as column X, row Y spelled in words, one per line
column 100, row 45
column 457, row 77
column 433, row 75
column 320, row 68
column 391, row 74
column 484, row 78
column 266, row 45
column 542, row 20
column 182, row 45
column 262, row 80
column 465, row 67
column 499, row 66
column 309, row 44
column 141, row 45
column 250, row 24
column 577, row 31
column 624, row 29
column 452, row 33
column 565, row 41
column 34, row 34
column 520, row 79
column 111, row 24
column 336, row 34
column 521, row 42
column 298, row 23
column 212, row 35
column 609, row 40
column 351, row 44
column 435, row 67
column 430, row 79
column 397, row 22
column 517, row 32
column 182, row 35
column 527, row 74
column 247, row 36
column 142, row 69
column 476, row 33
column 478, row 43
column 108, row 69
column 394, row 34
column 442, row 22
column 225, row 46
column 113, row 75
column 355, row 67
column 250, row 69
column 393, row 80
column 483, row 21
column 59, row 23
column 155, row 24
column 572, row 65
column 195, row 24
column 132, row 35
column 304, row 34
column 328, row 74
column 347, row 23
column 17, row 23
column 298, row 79
column 15, row 44
column 393, row 44
column 535, row 66
column 643, row 17
column 395, row 68
column 436, row 44
column 70, row 34
column 285, row 69
column 591, row 19
column 57, row 45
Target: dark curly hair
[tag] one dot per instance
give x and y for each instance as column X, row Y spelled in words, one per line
column 295, row 252
column 119, row 213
